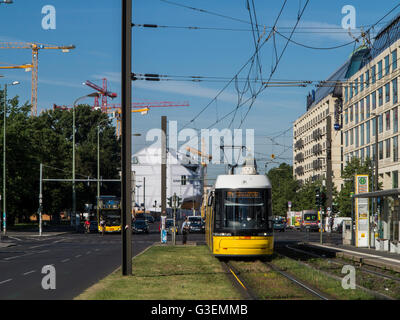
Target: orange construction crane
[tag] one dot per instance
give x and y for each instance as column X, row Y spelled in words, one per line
column 34, row 47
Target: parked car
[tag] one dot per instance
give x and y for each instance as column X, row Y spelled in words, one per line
column 140, row 226
column 279, row 224
column 196, row 224
column 149, row 218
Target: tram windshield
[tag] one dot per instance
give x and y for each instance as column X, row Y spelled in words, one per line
column 243, row 210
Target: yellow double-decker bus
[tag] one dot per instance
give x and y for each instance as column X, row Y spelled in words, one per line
column 110, row 212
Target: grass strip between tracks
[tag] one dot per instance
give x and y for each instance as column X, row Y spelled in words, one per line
column 320, row 281
column 167, row 273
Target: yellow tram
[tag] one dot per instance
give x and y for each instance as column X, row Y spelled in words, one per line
column 239, row 215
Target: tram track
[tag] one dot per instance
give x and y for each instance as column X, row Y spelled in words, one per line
column 249, row 293
column 299, row 283
column 358, row 266
column 238, row 281
column 376, row 294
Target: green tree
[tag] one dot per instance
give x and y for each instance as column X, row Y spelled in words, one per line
column 353, row 167
column 284, row 188
column 47, row 139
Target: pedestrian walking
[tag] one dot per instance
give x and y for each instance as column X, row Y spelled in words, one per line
column 103, row 226
column 185, row 230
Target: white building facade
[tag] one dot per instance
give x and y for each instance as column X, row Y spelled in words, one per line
column 184, row 177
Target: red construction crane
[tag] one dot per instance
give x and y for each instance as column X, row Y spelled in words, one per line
column 103, row 92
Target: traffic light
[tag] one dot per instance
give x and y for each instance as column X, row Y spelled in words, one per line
column 178, row 202
column 317, row 197
column 169, row 202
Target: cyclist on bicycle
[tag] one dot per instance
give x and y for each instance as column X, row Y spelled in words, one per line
column 87, row 226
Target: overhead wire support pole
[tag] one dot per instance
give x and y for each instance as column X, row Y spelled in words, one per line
column 126, row 104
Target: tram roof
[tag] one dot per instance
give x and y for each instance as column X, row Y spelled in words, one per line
column 236, row 181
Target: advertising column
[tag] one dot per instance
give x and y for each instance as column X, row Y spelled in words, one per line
column 362, row 212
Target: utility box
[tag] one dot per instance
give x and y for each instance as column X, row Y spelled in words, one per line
column 346, row 232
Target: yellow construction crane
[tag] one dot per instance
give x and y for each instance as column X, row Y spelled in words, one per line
column 117, row 115
column 34, row 47
column 27, row 67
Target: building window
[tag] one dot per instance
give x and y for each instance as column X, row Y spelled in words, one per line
column 387, row 65
column 387, row 148
column 394, row 60
column 356, row 136
column 367, row 106
column 362, row 82
column 387, row 120
column 373, row 126
column 346, row 117
column 356, row 112
column 351, row 91
column 351, row 114
column 367, row 152
column 362, row 155
column 380, row 70
column 380, row 150
column 395, row 148
column 373, row 74
column 367, row 132
column 367, row 79
column 395, row 179
column 387, row 92
column 395, row 91
column 362, row 110
column 355, row 87
column 351, row 137
column 373, row 152
column 346, row 94
column 373, row 97
column 380, row 123
column 380, row 96
column 362, row 134
column 395, row 120
column 346, row 137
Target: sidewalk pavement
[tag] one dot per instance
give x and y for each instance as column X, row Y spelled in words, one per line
column 372, row 257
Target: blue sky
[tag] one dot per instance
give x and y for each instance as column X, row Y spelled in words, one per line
column 93, row 26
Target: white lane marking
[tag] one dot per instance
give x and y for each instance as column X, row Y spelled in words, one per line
column 65, row 260
column 15, row 257
column 5, row 281
column 15, row 238
column 43, row 251
column 41, row 245
column 29, row 272
column 88, row 252
column 79, row 255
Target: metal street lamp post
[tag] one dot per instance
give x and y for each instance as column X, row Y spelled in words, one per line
column 4, row 156
column 94, row 94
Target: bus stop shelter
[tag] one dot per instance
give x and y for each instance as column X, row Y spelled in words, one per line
column 384, row 222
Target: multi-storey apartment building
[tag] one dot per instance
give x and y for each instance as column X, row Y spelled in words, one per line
column 371, row 101
column 317, row 139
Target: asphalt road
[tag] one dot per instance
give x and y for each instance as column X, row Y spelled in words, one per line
column 81, row 260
